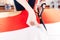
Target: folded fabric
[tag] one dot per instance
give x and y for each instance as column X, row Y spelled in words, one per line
column 14, row 22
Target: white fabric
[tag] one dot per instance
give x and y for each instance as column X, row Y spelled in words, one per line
column 53, row 30
column 34, row 33
column 30, row 33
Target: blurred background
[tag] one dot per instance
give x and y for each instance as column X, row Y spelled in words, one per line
column 50, row 4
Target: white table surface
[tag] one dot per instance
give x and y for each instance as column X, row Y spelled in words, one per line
column 34, row 33
column 53, row 31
